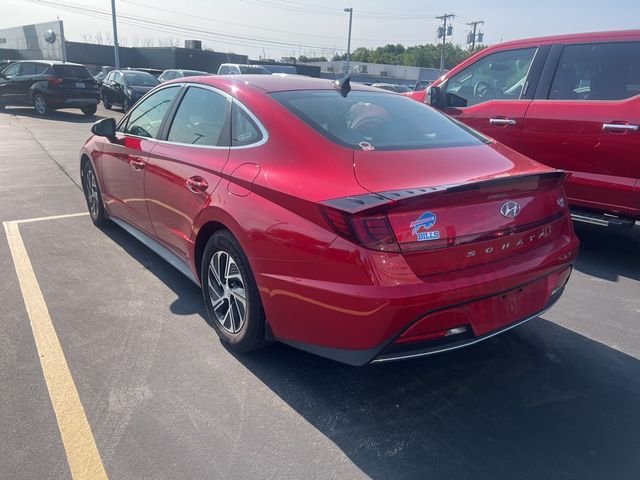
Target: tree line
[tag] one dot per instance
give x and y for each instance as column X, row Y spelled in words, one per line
column 419, row 55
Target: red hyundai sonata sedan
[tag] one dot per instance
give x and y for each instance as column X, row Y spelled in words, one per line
column 344, row 220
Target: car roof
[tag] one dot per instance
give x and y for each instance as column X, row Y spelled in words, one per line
column 50, row 62
column 572, row 38
column 279, row 83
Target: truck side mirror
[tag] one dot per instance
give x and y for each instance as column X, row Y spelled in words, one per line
column 434, row 97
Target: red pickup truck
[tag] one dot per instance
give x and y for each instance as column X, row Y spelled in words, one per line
column 571, row 102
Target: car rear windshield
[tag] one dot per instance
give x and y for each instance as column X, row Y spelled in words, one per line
column 72, row 71
column 376, row 121
column 140, row 79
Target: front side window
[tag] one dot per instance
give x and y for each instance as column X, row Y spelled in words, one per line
column 11, row 70
column 200, row 119
column 597, row 71
column 146, row 117
column 117, row 77
column 367, row 120
column 499, row 76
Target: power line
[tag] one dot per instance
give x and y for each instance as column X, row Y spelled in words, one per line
column 181, row 29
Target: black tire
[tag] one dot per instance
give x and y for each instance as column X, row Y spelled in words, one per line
column 41, row 104
column 93, row 196
column 250, row 333
column 1, row 107
column 89, row 109
column 126, row 105
column 106, row 104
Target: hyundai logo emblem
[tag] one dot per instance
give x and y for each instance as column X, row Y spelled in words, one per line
column 510, row 209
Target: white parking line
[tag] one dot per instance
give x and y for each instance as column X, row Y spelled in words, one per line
column 80, row 446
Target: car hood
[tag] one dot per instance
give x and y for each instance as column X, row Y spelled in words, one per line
column 380, row 171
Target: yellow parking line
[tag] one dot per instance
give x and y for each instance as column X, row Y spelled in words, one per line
column 79, row 444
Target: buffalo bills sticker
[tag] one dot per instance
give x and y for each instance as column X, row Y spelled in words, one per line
column 420, row 227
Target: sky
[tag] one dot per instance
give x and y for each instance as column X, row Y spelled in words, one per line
column 277, row 28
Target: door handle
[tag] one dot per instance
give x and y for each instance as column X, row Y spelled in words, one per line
column 502, row 121
column 620, row 127
column 137, row 163
column 197, row 184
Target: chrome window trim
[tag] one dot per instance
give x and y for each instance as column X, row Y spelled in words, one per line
column 125, row 118
column 263, row 130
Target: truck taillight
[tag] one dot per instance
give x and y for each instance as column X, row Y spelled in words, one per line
column 53, row 81
column 370, row 231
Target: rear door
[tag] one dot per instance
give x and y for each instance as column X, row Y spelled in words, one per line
column 123, row 163
column 493, row 93
column 586, row 119
column 185, row 169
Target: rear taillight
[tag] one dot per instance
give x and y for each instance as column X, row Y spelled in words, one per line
column 370, row 231
column 53, row 80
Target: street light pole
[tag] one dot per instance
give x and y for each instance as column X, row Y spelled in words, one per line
column 115, row 34
column 348, row 66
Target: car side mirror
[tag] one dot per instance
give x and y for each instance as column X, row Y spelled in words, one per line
column 105, row 128
column 434, row 96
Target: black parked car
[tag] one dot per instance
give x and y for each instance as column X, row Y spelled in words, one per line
column 125, row 87
column 48, row 85
column 179, row 73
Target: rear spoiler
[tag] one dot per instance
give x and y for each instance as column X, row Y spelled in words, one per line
column 372, row 201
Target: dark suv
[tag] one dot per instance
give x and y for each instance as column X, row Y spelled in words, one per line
column 48, row 85
column 126, row 87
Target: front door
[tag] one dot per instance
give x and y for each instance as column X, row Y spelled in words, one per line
column 589, row 124
column 123, row 163
column 489, row 95
column 184, row 171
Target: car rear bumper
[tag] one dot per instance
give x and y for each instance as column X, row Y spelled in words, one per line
column 80, row 102
column 358, row 324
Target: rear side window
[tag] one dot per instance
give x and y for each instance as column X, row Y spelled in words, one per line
column 498, row 76
column 371, row 120
column 244, row 131
column 72, row 71
column 201, row 119
column 41, row 68
column 146, row 117
column 28, row 68
column 597, row 71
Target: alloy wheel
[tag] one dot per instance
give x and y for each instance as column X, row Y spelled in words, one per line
column 92, row 194
column 40, row 105
column 227, row 292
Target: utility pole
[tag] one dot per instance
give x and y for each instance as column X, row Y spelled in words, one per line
column 473, row 36
column 348, row 65
column 443, row 32
column 115, row 34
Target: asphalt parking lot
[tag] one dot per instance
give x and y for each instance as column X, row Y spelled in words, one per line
column 556, row 398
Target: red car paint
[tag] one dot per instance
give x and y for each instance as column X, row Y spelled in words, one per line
column 289, row 202
column 566, row 133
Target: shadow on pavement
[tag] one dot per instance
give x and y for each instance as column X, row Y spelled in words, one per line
column 540, row 402
column 608, row 253
column 65, row 115
column 189, row 296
